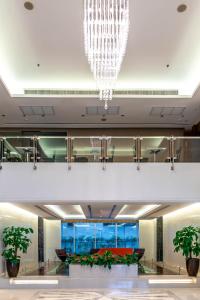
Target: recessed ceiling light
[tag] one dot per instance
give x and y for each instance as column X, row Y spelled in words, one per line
column 182, row 8
column 28, row 5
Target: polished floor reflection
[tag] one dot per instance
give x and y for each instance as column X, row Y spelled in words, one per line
column 49, row 269
column 148, row 268
column 136, row 294
column 62, row 269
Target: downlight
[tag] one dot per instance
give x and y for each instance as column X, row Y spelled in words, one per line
column 182, row 8
column 28, row 5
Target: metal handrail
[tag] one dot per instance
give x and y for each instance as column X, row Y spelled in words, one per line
column 101, row 137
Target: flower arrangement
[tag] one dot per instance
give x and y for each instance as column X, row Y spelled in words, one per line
column 106, row 260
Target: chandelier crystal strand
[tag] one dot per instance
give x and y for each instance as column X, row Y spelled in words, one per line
column 106, row 27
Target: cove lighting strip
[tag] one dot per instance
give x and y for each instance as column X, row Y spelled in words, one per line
column 168, row 281
column 61, row 213
column 33, row 282
column 141, row 212
column 13, row 209
column 191, row 207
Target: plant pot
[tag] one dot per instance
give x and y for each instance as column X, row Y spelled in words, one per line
column 192, row 265
column 62, row 257
column 12, row 268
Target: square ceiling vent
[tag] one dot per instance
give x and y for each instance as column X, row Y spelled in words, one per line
column 167, row 111
column 37, row 110
column 100, row 110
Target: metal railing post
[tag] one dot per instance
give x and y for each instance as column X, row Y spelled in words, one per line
column 104, row 151
column 138, row 152
column 1, row 152
column 35, row 141
column 169, row 150
column 69, row 145
column 173, row 153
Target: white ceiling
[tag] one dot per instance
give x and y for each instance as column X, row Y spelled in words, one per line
column 52, row 35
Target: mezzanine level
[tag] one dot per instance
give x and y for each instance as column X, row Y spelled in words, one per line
column 79, row 169
column 99, row 149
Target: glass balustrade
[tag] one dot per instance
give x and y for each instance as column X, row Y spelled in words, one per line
column 97, row 149
column 187, row 150
column 18, row 149
column 51, row 149
column 121, row 149
column 155, row 149
column 86, row 149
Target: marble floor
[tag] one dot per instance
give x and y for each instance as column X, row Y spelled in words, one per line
column 136, row 294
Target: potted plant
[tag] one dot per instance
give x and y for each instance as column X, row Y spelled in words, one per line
column 15, row 239
column 187, row 240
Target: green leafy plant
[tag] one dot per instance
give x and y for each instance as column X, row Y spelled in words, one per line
column 106, row 260
column 15, row 239
column 187, row 240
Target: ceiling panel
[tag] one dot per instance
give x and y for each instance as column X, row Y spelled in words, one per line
column 101, row 210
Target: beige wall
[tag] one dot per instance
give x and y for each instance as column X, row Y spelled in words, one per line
column 98, row 131
column 11, row 215
column 52, row 239
column 172, row 223
column 126, row 132
column 147, row 238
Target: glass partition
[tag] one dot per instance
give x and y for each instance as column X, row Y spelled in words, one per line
column 84, row 238
column 67, row 237
column 127, row 235
column 105, row 235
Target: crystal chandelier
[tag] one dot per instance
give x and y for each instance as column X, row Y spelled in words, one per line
column 106, row 27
